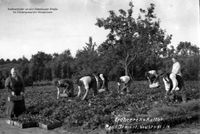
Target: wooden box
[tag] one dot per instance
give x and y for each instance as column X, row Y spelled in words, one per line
column 50, row 126
column 63, row 95
column 10, row 122
column 22, row 125
column 25, row 124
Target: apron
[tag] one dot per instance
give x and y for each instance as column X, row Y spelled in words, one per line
column 15, row 108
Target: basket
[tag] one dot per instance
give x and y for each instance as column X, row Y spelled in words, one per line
column 16, row 98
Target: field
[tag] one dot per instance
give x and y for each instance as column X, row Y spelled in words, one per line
column 147, row 108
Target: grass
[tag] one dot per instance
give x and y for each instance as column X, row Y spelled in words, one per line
column 175, row 110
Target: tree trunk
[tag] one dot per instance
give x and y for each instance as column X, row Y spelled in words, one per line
column 126, row 69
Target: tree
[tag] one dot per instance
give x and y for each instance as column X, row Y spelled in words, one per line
column 2, row 61
column 2, row 80
column 14, row 61
column 37, row 65
column 86, row 59
column 8, row 61
column 62, row 65
column 170, row 51
column 47, row 75
column 187, row 49
column 131, row 40
column 191, row 68
column 189, row 55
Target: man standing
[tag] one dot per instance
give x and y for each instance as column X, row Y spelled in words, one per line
column 176, row 70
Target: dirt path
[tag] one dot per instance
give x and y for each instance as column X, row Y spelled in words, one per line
column 8, row 129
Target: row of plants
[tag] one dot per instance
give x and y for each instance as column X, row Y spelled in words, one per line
column 98, row 111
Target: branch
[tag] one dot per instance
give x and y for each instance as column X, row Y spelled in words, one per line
column 131, row 60
column 127, row 56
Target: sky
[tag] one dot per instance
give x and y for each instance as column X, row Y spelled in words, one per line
column 71, row 25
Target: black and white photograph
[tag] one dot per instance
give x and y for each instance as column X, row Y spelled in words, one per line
column 99, row 66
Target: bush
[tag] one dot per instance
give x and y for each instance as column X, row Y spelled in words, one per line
column 191, row 67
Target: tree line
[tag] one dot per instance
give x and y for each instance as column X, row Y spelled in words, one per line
column 133, row 45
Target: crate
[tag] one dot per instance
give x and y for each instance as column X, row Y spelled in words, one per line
column 10, row 122
column 63, row 95
column 25, row 124
column 50, row 126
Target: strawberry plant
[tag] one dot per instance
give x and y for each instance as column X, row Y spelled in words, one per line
column 102, row 109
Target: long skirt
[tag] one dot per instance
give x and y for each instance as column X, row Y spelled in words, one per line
column 15, row 108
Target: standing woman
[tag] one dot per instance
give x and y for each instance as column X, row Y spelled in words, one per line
column 15, row 86
column 176, row 70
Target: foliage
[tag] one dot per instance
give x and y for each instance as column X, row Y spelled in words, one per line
column 133, row 40
column 191, row 68
column 133, row 45
column 42, row 104
column 37, row 65
column 87, row 59
column 61, row 65
column 187, row 49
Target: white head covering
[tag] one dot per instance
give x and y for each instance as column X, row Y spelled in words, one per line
column 125, row 79
column 101, row 76
column 13, row 71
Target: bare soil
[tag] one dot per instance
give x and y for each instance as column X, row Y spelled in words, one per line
column 193, row 128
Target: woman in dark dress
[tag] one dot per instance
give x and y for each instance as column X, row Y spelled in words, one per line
column 15, row 86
